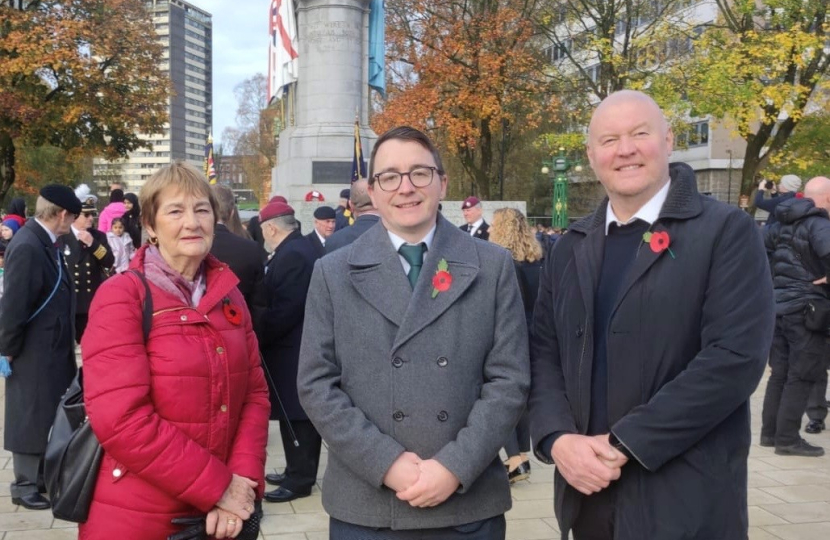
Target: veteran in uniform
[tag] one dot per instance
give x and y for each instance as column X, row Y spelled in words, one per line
column 89, row 258
column 473, row 215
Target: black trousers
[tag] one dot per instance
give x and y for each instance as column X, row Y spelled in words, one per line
column 595, row 520
column 798, row 360
column 81, row 320
column 493, row 528
column 817, row 403
column 301, row 461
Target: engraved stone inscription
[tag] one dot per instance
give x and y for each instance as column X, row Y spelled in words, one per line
column 331, row 172
column 333, row 35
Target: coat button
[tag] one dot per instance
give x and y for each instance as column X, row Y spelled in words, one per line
column 397, row 416
column 117, row 473
column 397, row 362
column 579, row 332
column 220, row 350
column 183, row 317
column 223, row 408
column 442, row 361
column 443, row 416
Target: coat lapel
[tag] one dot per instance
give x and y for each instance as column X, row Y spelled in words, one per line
column 376, row 273
column 588, row 257
column 458, row 249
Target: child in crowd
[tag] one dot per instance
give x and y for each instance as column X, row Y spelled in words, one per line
column 121, row 245
column 7, row 230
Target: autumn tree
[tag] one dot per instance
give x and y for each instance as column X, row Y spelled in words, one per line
column 470, row 74
column 77, row 75
column 254, row 136
column 761, row 67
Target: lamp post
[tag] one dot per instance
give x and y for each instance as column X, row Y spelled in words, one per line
column 560, row 165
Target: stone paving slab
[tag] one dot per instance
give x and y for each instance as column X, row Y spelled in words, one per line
column 789, row 499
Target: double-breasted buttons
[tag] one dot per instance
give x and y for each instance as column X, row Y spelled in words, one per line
column 443, row 416
column 397, row 362
column 442, row 361
column 397, row 416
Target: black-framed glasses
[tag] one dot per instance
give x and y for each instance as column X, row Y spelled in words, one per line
column 420, row 177
column 89, row 214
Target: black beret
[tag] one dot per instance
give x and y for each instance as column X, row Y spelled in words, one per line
column 324, row 212
column 62, row 196
column 345, row 193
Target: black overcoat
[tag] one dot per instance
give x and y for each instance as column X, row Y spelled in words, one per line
column 245, row 259
column 688, row 341
column 280, row 327
column 43, row 350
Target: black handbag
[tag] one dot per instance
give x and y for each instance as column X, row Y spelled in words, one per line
column 817, row 317
column 73, row 454
column 196, row 526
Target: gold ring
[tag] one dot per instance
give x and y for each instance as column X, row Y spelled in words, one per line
column 231, row 521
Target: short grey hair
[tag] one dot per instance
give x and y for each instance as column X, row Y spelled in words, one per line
column 46, row 210
column 284, row 223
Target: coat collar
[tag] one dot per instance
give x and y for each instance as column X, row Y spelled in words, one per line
column 682, row 202
column 377, row 275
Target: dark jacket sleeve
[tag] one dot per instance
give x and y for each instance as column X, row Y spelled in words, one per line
column 548, row 404
column 286, row 286
column 767, row 204
column 736, row 332
column 23, row 284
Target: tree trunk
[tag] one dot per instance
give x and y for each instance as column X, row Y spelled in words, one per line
column 7, row 173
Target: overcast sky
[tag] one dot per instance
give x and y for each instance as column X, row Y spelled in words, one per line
column 240, row 50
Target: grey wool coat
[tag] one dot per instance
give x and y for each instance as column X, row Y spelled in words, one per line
column 43, row 349
column 386, row 369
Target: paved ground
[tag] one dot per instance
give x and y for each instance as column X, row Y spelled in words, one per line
column 789, row 499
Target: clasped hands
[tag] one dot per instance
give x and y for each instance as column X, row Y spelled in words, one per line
column 235, row 506
column 420, row 482
column 588, row 463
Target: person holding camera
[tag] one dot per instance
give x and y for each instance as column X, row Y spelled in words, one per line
column 784, row 191
column 799, row 248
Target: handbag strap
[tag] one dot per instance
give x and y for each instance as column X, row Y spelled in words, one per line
column 147, row 306
column 52, row 294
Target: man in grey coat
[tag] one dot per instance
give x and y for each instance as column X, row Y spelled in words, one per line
column 413, row 401
column 36, row 334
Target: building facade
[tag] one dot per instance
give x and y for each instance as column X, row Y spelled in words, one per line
column 186, row 33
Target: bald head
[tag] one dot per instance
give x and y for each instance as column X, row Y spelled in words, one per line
column 628, row 97
column 818, row 189
column 359, row 197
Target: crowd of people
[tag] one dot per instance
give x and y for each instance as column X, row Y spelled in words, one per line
column 623, row 350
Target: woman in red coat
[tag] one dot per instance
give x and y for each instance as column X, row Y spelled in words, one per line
column 182, row 418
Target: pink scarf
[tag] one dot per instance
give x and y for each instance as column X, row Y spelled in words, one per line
column 165, row 278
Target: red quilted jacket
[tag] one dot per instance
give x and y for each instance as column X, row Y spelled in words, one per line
column 177, row 416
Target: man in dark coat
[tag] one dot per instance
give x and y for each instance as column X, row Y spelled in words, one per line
column 89, row 259
column 784, row 191
column 36, row 315
column 324, row 220
column 475, row 226
column 799, row 243
column 651, row 332
column 343, row 215
column 280, row 331
column 243, row 256
column 365, row 217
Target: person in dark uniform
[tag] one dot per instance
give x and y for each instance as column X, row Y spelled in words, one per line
column 36, row 337
column 366, row 215
column 89, row 258
column 324, row 224
column 343, row 214
column 280, row 330
column 255, row 229
column 476, row 226
column 242, row 255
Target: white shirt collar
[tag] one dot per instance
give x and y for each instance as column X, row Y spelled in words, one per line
column 649, row 212
column 321, row 237
column 397, row 242
column 52, row 235
column 74, row 230
column 476, row 224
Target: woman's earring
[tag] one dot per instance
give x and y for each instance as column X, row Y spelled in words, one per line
column 153, row 241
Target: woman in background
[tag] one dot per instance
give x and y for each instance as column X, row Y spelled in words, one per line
column 132, row 218
column 510, row 230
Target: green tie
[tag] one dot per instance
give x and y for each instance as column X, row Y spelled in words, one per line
column 414, row 255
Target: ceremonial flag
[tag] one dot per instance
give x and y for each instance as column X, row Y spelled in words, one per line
column 210, row 166
column 282, row 48
column 358, row 163
column 377, row 46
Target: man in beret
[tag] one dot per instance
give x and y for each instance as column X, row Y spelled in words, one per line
column 279, row 329
column 343, row 213
column 36, row 335
column 254, row 228
column 324, row 224
column 476, row 226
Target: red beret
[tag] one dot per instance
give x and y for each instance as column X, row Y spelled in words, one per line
column 469, row 202
column 275, row 209
column 278, row 198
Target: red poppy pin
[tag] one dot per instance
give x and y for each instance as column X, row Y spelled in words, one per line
column 442, row 280
column 232, row 313
column 658, row 242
